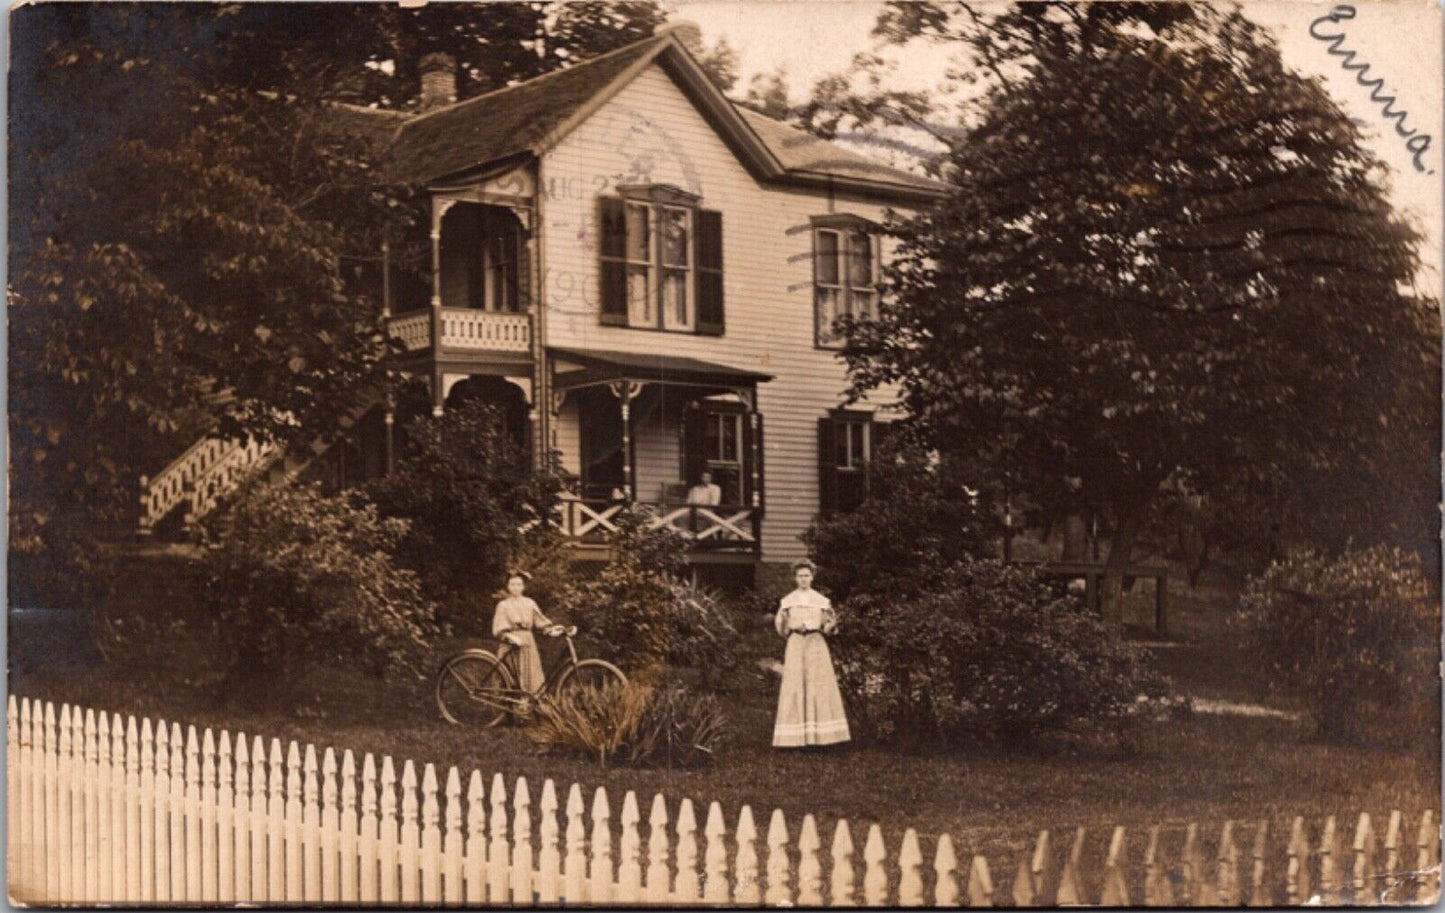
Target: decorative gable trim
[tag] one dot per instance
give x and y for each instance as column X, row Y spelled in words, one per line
column 659, row 193
column 845, row 221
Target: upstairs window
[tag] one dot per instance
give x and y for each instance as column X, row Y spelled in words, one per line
column 845, row 273
column 661, row 261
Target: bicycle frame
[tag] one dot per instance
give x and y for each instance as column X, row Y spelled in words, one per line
column 550, row 675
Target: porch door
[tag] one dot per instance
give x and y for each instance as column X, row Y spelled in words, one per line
column 726, row 440
column 601, row 445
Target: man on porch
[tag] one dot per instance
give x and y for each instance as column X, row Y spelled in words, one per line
column 705, row 493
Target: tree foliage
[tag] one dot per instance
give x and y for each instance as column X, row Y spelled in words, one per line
column 919, row 517
column 467, row 492
column 1168, row 258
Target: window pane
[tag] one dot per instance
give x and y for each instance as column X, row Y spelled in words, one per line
column 826, row 303
column 841, row 442
column 639, row 303
column 863, row 304
column 730, row 437
column 676, row 309
column 502, row 293
column 828, row 258
column 858, row 431
column 674, row 237
column 860, row 260
column 639, row 234
column 713, row 445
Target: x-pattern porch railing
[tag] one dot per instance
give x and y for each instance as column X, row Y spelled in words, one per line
column 706, row 526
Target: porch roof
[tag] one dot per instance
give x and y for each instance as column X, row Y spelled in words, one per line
column 602, row 367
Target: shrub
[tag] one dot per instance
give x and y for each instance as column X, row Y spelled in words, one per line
column 678, row 728
column 296, row 576
column 1357, row 635
column 636, row 724
column 467, row 491
column 626, row 609
column 701, row 633
column 986, row 652
column 592, row 722
column 917, row 520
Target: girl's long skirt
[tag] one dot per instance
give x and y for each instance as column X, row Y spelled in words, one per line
column 810, row 708
column 528, row 662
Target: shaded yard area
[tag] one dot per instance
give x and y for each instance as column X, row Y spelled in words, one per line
column 1203, row 767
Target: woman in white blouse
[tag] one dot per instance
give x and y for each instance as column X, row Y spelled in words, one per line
column 810, row 707
column 514, row 622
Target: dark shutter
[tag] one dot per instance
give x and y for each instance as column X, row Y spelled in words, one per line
column 693, row 437
column 827, row 467
column 612, row 247
column 708, row 260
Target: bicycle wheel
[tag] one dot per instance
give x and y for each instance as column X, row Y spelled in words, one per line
column 589, row 673
column 476, row 689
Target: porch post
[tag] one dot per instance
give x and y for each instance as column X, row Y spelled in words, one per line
column 385, row 278
column 625, row 390
column 625, row 397
column 390, row 421
column 439, row 209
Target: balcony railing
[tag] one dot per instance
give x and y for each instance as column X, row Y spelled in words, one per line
column 717, row 528
column 465, row 330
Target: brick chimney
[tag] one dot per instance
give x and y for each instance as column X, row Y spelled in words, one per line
column 438, row 81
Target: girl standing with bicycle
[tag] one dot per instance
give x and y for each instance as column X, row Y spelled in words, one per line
column 810, row 707
column 516, row 618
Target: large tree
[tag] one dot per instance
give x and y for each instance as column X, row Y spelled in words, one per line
column 1168, row 260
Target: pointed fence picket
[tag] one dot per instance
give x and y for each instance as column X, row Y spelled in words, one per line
column 108, row 809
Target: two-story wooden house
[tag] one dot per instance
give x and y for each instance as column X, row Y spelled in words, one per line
column 645, row 276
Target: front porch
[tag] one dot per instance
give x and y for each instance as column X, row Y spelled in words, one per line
column 678, row 437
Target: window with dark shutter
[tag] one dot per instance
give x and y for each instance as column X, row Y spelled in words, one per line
column 661, row 261
column 612, row 247
column 845, row 455
column 827, row 468
column 709, row 261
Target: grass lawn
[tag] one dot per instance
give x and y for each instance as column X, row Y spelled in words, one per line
column 1203, row 768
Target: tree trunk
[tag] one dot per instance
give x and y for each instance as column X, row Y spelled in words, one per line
column 1121, row 550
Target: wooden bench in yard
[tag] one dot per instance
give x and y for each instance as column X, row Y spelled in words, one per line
column 1093, row 575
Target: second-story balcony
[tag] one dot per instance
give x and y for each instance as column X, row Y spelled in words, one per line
column 460, row 332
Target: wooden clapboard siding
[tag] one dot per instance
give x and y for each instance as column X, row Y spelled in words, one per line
column 569, row 437
column 659, row 456
column 101, row 812
column 650, row 133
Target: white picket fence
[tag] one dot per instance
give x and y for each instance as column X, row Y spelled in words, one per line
column 108, row 811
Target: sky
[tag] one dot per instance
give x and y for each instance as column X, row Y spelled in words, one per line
column 1399, row 39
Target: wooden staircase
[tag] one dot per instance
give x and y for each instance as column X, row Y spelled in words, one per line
column 213, row 467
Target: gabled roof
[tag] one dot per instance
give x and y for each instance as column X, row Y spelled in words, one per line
column 803, row 152
column 502, row 123
column 533, row 116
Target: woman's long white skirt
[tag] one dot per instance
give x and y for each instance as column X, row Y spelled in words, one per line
column 810, row 707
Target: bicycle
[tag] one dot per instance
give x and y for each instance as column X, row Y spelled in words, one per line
column 477, row 687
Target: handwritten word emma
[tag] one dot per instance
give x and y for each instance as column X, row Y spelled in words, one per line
column 1418, row 143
